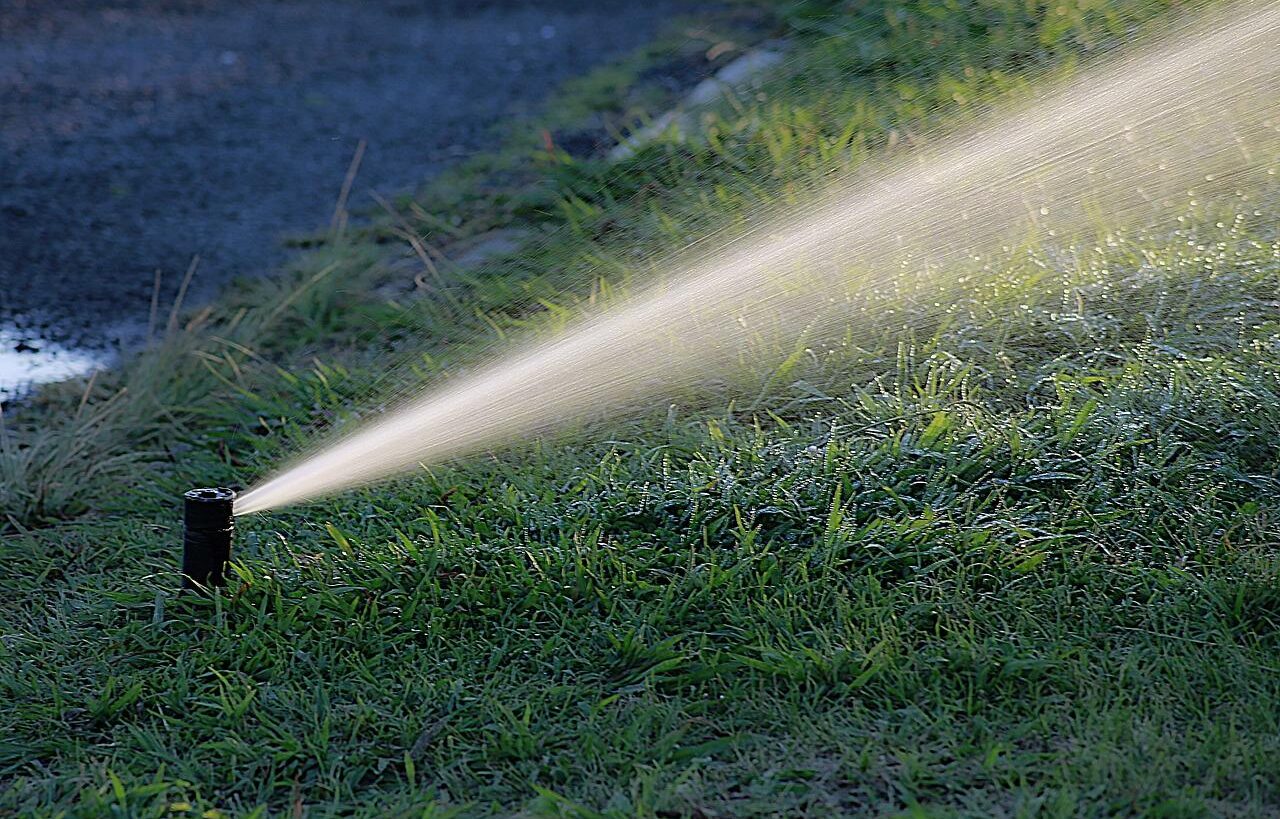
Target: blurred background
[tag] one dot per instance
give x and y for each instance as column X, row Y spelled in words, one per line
column 138, row 135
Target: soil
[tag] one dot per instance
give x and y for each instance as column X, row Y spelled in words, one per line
column 135, row 135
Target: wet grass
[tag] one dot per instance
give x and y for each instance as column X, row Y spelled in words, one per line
column 1011, row 556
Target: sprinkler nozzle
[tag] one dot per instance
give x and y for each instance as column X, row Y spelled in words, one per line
column 206, row 537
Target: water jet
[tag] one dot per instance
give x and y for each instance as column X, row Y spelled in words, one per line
column 206, row 537
column 1133, row 139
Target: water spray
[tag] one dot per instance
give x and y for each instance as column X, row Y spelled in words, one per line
column 1194, row 116
column 206, row 537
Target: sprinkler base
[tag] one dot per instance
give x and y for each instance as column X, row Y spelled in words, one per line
column 206, row 537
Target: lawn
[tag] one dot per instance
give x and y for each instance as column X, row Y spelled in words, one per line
column 1016, row 557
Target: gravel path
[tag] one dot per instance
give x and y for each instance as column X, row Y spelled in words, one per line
column 136, row 134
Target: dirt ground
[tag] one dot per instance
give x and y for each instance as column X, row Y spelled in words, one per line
column 136, row 134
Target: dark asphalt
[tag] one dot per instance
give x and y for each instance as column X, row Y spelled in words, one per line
column 134, row 135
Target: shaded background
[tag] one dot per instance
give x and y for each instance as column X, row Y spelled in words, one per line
column 134, row 135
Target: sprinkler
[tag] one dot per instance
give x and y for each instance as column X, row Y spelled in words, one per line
column 206, row 537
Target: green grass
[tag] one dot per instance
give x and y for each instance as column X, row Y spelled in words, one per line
column 1017, row 557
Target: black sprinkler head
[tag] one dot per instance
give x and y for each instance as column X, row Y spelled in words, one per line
column 206, row 537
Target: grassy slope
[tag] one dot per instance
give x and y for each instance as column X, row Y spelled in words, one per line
column 1019, row 561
